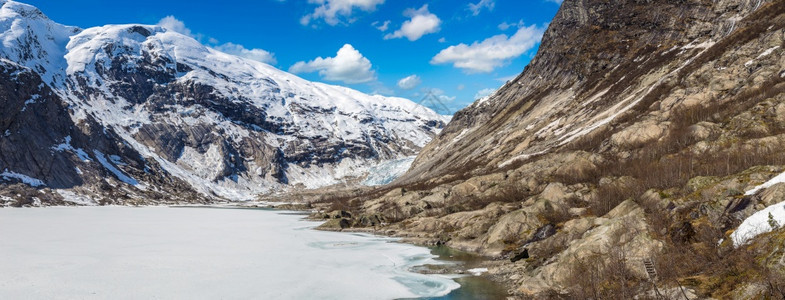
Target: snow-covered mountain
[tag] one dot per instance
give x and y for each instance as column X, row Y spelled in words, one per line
column 222, row 125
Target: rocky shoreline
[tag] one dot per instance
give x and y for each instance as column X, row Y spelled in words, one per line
column 494, row 268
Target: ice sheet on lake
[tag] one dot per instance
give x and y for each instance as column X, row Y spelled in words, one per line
column 193, row 253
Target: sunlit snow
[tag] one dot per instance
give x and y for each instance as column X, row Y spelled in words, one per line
column 766, row 220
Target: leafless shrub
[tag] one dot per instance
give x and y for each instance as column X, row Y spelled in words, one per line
column 604, row 276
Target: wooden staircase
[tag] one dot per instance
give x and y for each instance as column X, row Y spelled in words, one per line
column 648, row 264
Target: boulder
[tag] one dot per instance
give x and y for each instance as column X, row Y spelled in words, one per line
column 519, row 225
column 623, row 230
column 773, row 195
column 637, row 135
column 556, row 192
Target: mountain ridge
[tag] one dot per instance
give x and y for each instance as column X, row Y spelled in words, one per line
column 229, row 127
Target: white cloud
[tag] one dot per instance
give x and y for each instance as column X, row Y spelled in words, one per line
column 421, row 22
column 460, row 87
column 442, row 40
column 484, row 93
column 173, row 24
column 491, row 53
column 476, row 9
column 409, row 82
column 348, row 65
column 505, row 25
column 555, row 1
column 333, row 11
column 254, row 54
column 381, row 26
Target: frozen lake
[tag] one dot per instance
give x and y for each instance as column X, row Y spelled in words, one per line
column 199, row 253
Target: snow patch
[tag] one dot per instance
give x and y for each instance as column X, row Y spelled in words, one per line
column 521, row 157
column 703, row 45
column 117, row 160
column 70, row 196
column 30, row 101
column 459, row 136
column 762, row 55
column 777, row 179
column 767, row 52
column 761, row 222
column 66, row 146
column 8, row 175
column 117, row 173
column 6, row 200
column 598, row 95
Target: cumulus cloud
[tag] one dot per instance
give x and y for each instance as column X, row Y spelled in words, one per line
column 491, row 53
column 421, row 22
column 254, row 54
column 409, row 82
column 484, row 93
column 173, row 24
column 348, row 65
column 476, row 9
column 334, row 12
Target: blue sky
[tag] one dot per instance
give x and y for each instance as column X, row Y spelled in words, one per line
column 456, row 49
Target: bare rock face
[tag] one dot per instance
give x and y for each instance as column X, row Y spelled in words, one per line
column 637, row 135
column 33, row 118
column 141, row 99
column 601, row 62
column 45, row 150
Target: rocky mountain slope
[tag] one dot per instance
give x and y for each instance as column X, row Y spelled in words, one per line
column 619, row 164
column 128, row 113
